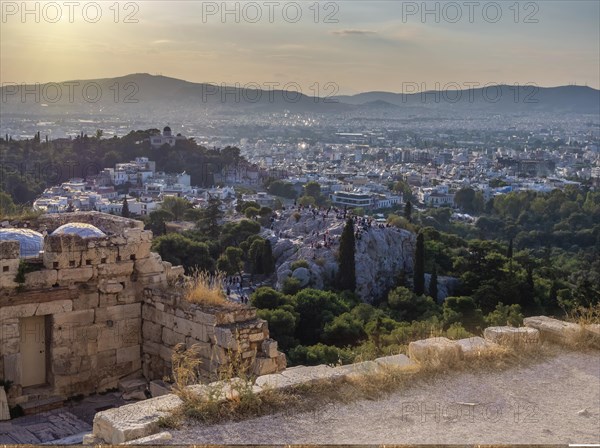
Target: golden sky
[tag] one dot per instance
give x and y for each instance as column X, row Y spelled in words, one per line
column 357, row 45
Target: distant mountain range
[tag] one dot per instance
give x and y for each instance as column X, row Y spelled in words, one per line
column 138, row 92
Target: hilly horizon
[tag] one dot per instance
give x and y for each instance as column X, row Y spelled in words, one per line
column 135, row 89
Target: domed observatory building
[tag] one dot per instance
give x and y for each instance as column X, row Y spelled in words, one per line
column 81, row 229
column 30, row 242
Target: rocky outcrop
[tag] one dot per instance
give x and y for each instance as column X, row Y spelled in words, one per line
column 381, row 253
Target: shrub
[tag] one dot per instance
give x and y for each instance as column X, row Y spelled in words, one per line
column 299, row 264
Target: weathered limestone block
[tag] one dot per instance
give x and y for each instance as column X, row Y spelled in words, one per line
column 4, row 411
column 296, row 375
column 45, row 278
column 85, row 301
column 554, row 329
column 83, row 317
column 358, row 369
column 175, row 272
column 158, row 388
column 56, row 307
column 9, row 249
column 264, row 366
column 204, row 318
column 171, row 338
column 80, row 275
column 476, row 346
column 119, row 312
column 17, row 311
column 269, row 348
column 150, row 265
column 151, row 331
column 109, row 286
column 225, row 338
column 435, row 351
column 129, row 354
column 12, row 368
column 132, row 385
column 7, row 279
column 10, row 345
column 120, row 268
column 133, row 421
column 511, row 336
column 396, row 361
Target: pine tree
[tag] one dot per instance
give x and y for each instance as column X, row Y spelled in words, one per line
column 125, row 208
column 433, row 284
column 347, row 267
column 212, row 214
column 408, row 211
column 509, row 253
column 419, row 276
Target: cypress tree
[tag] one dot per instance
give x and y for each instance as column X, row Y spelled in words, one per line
column 433, row 284
column 408, row 211
column 125, row 208
column 419, row 280
column 268, row 263
column 347, row 267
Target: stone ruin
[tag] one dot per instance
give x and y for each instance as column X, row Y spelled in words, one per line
column 93, row 309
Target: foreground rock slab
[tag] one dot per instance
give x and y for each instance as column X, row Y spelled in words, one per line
column 133, row 421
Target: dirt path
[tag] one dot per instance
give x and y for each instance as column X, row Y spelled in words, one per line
column 555, row 401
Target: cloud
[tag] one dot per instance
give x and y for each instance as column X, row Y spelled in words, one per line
column 354, row 32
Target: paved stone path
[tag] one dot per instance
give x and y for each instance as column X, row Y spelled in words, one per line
column 42, row 428
column 65, row 425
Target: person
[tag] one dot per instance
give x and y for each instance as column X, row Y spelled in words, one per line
column 228, row 291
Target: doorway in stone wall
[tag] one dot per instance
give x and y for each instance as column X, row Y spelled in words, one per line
column 34, row 350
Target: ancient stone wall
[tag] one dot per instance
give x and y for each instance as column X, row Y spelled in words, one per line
column 90, row 289
column 221, row 335
column 109, row 303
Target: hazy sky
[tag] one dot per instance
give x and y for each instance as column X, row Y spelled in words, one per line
column 357, row 45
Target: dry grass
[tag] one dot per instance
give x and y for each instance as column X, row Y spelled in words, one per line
column 204, row 288
column 246, row 403
column 585, row 339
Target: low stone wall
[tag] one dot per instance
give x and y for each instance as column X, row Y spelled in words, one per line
column 218, row 334
column 131, row 422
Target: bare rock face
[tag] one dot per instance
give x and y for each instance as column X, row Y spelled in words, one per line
column 381, row 253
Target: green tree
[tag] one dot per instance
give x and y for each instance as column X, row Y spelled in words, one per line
column 125, row 208
column 313, row 189
column 505, row 315
column 7, row 206
column 266, row 298
column 282, row 326
column 347, row 266
column 176, row 206
column 407, row 306
column 344, row 330
column 315, row 309
column 180, row 250
column 212, row 214
column 230, row 262
column 157, row 220
column 462, row 310
column 419, row 276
